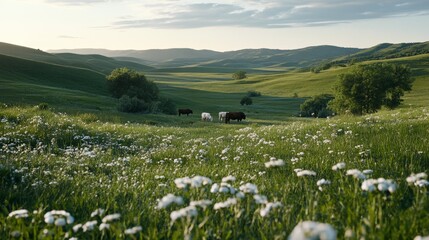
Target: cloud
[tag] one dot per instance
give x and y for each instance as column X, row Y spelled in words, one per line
column 268, row 13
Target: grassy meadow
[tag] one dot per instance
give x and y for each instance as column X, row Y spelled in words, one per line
column 82, row 170
column 210, row 180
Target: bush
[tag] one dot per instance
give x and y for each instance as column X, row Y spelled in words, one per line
column 253, row 93
column 316, row 106
column 167, row 106
column 131, row 105
column 239, row 75
column 43, row 106
column 123, row 81
column 246, row 101
column 365, row 88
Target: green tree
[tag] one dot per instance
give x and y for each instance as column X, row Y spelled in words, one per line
column 239, row 75
column 123, row 81
column 367, row 87
column 246, row 101
column 316, row 106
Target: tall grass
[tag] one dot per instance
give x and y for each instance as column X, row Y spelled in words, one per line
column 79, row 164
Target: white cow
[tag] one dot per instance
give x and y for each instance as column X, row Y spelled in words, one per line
column 222, row 116
column 206, row 116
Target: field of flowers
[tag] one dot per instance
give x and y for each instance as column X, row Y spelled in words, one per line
column 75, row 177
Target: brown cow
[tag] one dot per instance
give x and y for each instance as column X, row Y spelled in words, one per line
column 186, row 111
column 234, row 116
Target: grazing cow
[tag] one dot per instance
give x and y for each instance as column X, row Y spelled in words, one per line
column 234, row 116
column 186, row 111
column 222, row 116
column 206, row 116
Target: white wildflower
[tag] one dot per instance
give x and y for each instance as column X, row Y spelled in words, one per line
column 274, row 163
column 305, row 173
column 339, row 166
column 249, row 188
column 133, row 230
column 309, row 230
column 89, row 226
column 111, row 217
column 229, row 202
column 104, row 226
column 189, row 211
column 260, row 199
column 99, row 212
column 21, row 213
column 268, row 206
column 356, row 174
column 201, row 203
column 169, row 199
column 228, row 179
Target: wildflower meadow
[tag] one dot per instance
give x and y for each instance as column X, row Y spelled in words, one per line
column 77, row 177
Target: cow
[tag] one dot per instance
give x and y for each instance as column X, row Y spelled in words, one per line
column 186, row 111
column 234, row 116
column 206, row 116
column 222, row 116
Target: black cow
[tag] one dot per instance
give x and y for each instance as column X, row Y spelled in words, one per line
column 186, row 111
column 234, row 116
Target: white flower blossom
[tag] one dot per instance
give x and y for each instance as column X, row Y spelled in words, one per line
column 249, row 188
column 309, row 230
column 111, row 217
column 268, row 206
column 21, row 213
column 169, row 199
column 339, row 166
column 133, row 230
column 189, row 211
column 229, row 202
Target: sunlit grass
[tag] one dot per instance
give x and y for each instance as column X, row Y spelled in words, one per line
column 79, row 164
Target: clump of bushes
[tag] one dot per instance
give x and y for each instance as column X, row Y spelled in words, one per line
column 317, row 106
column 246, row 101
column 136, row 93
column 131, row 105
column 43, row 106
column 253, row 93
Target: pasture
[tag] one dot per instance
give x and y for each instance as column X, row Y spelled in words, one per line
column 207, row 180
column 82, row 170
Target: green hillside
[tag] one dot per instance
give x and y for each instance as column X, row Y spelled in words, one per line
column 388, row 51
column 29, row 82
column 208, row 89
column 97, row 63
column 100, row 63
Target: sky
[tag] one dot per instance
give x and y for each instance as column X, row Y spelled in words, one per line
column 221, row 25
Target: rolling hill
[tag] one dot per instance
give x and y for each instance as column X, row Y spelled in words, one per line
column 97, row 63
column 77, row 82
column 245, row 59
column 30, row 82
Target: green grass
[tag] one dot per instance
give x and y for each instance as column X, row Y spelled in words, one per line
column 79, row 164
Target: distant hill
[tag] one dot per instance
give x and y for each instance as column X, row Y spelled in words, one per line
column 97, row 63
column 100, row 63
column 246, row 58
column 387, row 51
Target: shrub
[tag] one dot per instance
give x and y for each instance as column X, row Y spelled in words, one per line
column 253, row 93
column 131, row 105
column 123, row 81
column 43, row 106
column 167, row 106
column 239, row 75
column 316, row 106
column 246, row 101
